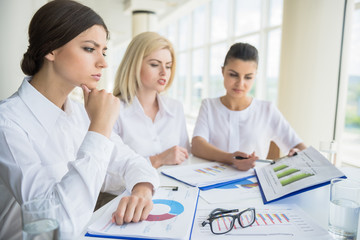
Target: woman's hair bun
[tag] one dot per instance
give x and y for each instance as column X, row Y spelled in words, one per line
column 28, row 64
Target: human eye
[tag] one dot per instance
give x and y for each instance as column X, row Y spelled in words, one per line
column 233, row 74
column 168, row 67
column 249, row 77
column 154, row 64
column 89, row 49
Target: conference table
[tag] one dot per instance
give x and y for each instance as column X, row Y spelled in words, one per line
column 314, row 202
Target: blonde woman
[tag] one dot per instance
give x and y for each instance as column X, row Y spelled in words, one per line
column 150, row 123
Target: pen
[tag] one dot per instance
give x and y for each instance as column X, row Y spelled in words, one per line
column 259, row 160
column 173, row 188
column 266, row 161
column 295, row 153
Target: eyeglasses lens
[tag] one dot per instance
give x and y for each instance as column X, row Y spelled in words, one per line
column 222, row 224
column 247, row 218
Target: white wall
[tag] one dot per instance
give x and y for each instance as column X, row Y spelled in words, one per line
column 309, row 66
column 15, row 16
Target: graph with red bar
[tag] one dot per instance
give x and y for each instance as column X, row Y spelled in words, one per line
column 213, row 170
column 271, row 219
column 285, row 221
column 262, row 218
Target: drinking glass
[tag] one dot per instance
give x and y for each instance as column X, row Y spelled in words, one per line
column 329, row 149
column 39, row 219
column 344, row 208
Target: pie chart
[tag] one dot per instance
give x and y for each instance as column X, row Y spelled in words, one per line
column 172, row 208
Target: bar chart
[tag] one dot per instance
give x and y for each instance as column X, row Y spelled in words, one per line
column 213, row 170
column 271, row 222
column 288, row 175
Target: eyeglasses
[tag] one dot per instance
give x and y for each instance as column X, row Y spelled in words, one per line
column 221, row 221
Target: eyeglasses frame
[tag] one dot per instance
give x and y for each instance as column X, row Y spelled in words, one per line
column 221, row 213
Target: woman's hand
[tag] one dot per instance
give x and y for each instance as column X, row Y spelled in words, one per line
column 297, row 148
column 246, row 163
column 102, row 108
column 293, row 151
column 171, row 156
column 136, row 207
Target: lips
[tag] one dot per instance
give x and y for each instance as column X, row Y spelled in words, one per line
column 162, row 81
column 238, row 90
column 96, row 76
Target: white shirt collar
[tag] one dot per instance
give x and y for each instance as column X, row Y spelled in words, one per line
column 46, row 112
column 241, row 112
column 163, row 108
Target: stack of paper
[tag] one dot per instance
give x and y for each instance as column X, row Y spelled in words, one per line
column 171, row 218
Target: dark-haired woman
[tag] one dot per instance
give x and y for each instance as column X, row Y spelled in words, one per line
column 237, row 124
column 51, row 146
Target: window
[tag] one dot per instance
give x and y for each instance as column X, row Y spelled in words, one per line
column 198, row 36
column 351, row 136
column 217, row 56
column 219, row 20
column 205, row 34
column 183, row 33
column 273, row 64
column 247, row 17
column 181, row 76
column 197, row 79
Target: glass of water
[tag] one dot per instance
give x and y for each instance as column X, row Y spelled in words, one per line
column 344, row 208
column 39, row 219
column 329, row 149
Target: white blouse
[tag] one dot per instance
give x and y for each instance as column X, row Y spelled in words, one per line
column 45, row 151
column 248, row 130
column 149, row 138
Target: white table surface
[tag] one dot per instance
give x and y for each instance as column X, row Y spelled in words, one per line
column 314, row 202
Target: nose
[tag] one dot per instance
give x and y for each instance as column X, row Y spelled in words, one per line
column 162, row 70
column 241, row 81
column 101, row 62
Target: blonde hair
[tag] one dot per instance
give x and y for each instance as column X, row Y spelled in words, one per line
column 127, row 80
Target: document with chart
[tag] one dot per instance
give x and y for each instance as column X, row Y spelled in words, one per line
column 272, row 222
column 292, row 175
column 209, row 175
column 172, row 217
column 233, row 192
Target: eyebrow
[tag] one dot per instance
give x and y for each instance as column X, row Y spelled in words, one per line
column 234, row 72
column 95, row 44
column 153, row 59
column 238, row 73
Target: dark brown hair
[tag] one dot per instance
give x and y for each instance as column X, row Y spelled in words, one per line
column 242, row 51
column 53, row 25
